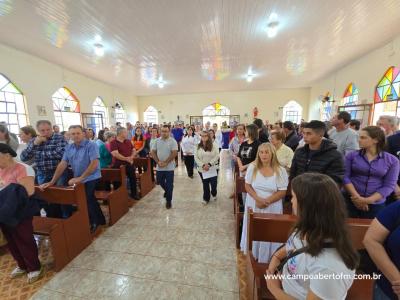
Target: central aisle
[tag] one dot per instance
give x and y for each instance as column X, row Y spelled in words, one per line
column 187, row 252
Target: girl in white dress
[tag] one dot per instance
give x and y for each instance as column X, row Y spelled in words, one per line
column 266, row 184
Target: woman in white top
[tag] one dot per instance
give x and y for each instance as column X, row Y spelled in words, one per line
column 266, row 184
column 188, row 145
column 322, row 233
column 206, row 156
column 218, row 136
column 283, row 152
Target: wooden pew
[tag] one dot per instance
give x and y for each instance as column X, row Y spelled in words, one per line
column 238, row 206
column 146, row 184
column 276, row 228
column 69, row 236
column 117, row 198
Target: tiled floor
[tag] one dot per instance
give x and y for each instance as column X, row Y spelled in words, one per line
column 187, row 252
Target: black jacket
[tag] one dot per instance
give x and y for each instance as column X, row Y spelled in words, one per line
column 292, row 140
column 327, row 160
column 16, row 205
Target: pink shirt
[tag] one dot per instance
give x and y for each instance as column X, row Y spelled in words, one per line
column 14, row 174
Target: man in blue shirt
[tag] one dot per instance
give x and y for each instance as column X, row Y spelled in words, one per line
column 83, row 157
column 177, row 132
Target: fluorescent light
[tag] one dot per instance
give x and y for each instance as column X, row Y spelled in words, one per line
column 98, row 49
column 272, row 29
column 250, row 75
column 97, row 38
column 161, row 82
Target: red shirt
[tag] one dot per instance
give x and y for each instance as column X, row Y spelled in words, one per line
column 124, row 148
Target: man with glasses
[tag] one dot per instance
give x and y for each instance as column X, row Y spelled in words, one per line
column 163, row 151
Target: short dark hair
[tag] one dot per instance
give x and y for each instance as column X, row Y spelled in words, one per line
column 75, row 126
column 288, row 125
column 40, row 122
column 345, row 116
column 258, row 123
column 166, row 126
column 316, row 125
column 356, row 124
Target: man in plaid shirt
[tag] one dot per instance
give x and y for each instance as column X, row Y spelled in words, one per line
column 47, row 149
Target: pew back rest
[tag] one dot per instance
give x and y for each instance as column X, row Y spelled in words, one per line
column 142, row 162
column 64, row 195
column 240, row 185
column 113, row 175
column 277, row 227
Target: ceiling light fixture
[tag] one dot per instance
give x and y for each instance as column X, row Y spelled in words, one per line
column 98, row 49
column 161, row 82
column 272, row 29
column 272, row 26
column 250, row 75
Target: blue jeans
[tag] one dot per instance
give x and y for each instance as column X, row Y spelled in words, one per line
column 379, row 294
column 95, row 214
column 166, row 180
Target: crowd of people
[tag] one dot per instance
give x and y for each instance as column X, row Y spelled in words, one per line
column 329, row 170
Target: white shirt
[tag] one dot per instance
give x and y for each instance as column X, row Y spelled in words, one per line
column 188, row 145
column 328, row 262
column 202, row 157
column 285, row 156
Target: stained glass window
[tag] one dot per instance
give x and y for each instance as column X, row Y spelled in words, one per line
column 388, row 88
column 100, row 108
column 386, row 100
column 66, row 108
column 350, row 96
column 12, row 105
column 326, row 111
column 151, row 115
column 120, row 115
column 292, row 111
column 216, row 109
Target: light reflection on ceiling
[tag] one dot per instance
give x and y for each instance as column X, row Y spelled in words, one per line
column 199, row 46
column 214, row 66
column 57, row 21
column 296, row 63
column 148, row 72
column 5, row 7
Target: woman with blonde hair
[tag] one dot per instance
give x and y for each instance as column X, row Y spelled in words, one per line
column 284, row 153
column 266, row 184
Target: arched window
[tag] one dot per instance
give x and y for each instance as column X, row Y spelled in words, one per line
column 100, row 108
column 120, row 115
column 66, row 108
column 151, row 115
column 292, row 111
column 216, row 113
column 12, row 105
column 216, row 109
column 386, row 100
column 350, row 96
column 357, row 111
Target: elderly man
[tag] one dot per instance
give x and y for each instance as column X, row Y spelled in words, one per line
column 47, row 150
column 389, row 124
column 83, row 157
column 123, row 152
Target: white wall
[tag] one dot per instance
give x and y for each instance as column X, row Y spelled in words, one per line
column 268, row 102
column 39, row 79
column 365, row 72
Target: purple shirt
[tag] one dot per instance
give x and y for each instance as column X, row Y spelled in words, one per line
column 380, row 175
